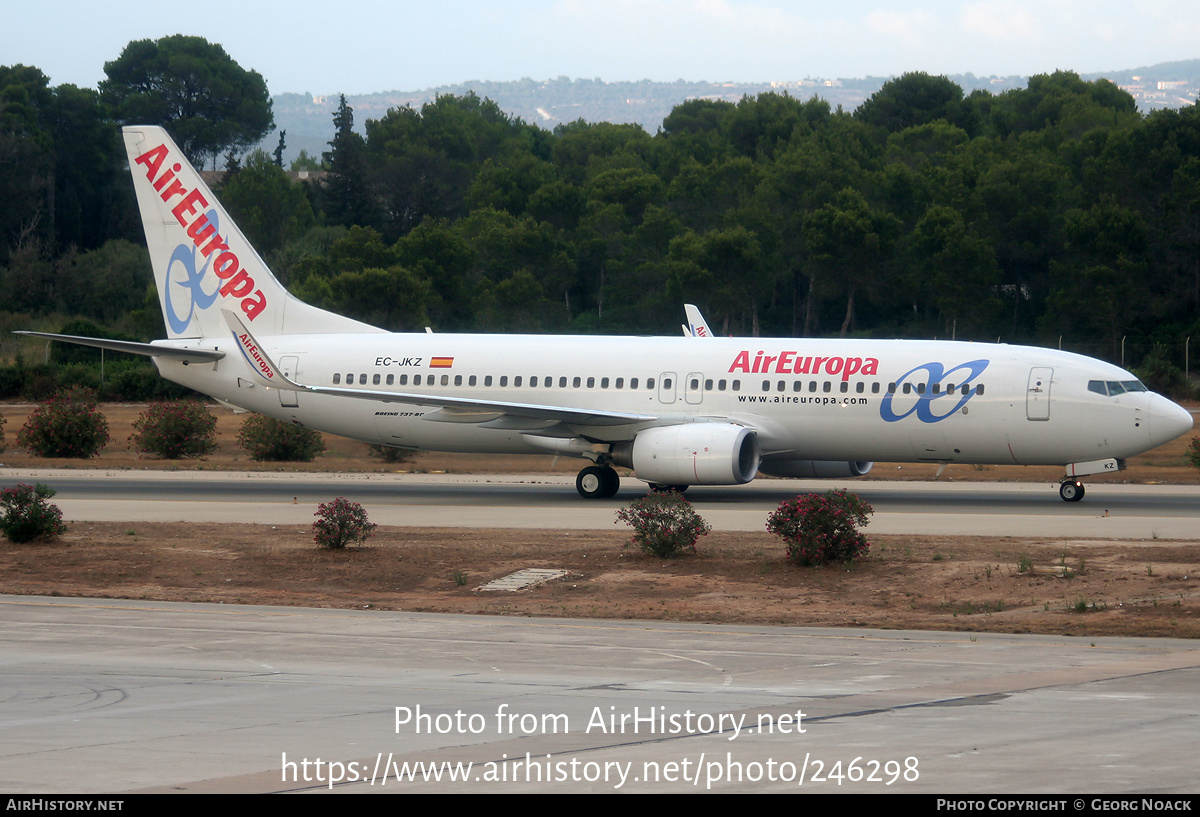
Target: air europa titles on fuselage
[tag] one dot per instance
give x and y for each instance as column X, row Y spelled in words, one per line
column 793, row 363
column 238, row 283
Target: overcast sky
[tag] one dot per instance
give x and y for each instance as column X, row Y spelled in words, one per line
column 365, row 46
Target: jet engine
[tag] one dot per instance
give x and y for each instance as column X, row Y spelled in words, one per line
column 692, row 454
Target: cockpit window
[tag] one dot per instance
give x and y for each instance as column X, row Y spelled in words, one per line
column 1112, row 388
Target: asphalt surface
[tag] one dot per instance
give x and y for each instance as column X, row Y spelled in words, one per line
column 550, row 501
column 117, row 696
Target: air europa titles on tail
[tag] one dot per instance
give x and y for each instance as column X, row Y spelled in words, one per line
column 202, row 230
column 674, row 411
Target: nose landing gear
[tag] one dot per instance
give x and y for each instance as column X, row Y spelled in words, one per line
column 1071, row 490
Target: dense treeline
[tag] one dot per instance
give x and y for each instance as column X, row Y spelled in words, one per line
column 1053, row 214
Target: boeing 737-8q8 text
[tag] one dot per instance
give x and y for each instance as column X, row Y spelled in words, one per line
column 676, row 411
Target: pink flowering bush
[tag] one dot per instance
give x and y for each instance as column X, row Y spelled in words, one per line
column 821, row 528
column 175, row 430
column 340, row 523
column 664, row 524
column 69, row 424
column 26, row 515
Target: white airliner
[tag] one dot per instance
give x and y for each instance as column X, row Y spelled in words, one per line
column 676, row 411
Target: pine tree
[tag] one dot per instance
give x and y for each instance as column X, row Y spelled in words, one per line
column 346, row 198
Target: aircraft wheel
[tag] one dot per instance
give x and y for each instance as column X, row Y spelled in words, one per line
column 592, row 482
column 1071, row 491
column 612, row 482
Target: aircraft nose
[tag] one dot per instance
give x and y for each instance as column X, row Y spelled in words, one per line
column 1167, row 420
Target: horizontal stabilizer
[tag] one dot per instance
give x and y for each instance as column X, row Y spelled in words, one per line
column 133, row 347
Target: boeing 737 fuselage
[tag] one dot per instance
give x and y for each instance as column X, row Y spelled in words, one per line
column 677, row 411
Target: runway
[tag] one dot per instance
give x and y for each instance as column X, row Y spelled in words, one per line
column 1109, row 510
column 118, row 696
column 113, row 696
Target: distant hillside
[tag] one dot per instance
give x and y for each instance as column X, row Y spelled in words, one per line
column 308, row 118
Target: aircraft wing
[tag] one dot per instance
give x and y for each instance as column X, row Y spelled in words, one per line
column 454, row 409
column 465, row 410
column 697, row 327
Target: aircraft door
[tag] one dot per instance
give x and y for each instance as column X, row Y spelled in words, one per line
column 666, row 387
column 1037, row 396
column 693, row 388
column 290, row 365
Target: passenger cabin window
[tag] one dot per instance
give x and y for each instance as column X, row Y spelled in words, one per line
column 337, row 378
column 391, row 379
column 375, row 380
column 649, row 382
column 362, row 380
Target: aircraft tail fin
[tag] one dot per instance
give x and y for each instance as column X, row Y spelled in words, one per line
column 202, row 262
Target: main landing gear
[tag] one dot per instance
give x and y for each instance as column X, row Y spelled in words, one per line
column 597, row 482
column 1071, row 490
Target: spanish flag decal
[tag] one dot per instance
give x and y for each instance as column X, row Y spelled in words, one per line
column 441, row 362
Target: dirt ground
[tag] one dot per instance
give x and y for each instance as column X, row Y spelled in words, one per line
column 1078, row 587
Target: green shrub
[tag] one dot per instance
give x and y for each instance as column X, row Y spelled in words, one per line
column 176, row 430
column 25, row 514
column 2, row 446
column 390, row 453
column 69, row 424
column 821, row 528
column 664, row 524
column 340, row 523
column 1193, row 451
column 276, row 441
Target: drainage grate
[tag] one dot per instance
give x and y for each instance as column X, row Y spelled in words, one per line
column 528, row 577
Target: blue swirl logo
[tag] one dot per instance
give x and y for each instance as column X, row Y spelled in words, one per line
column 185, row 258
column 925, row 403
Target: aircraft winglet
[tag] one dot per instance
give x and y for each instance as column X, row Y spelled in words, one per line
column 265, row 371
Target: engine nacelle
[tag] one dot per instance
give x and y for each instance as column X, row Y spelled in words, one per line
column 692, row 454
column 814, row 469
